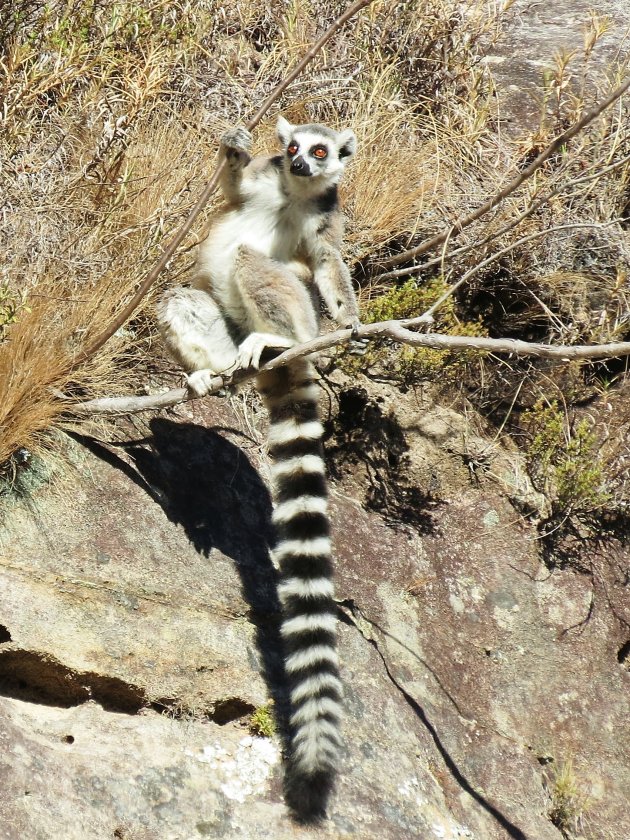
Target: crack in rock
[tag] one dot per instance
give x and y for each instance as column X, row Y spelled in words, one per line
column 353, row 612
column 36, row 677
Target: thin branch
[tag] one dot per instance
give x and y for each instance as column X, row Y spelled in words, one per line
column 396, row 330
column 170, row 249
column 513, row 185
column 473, row 246
column 476, row 268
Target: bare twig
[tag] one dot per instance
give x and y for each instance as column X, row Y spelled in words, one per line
column 510, row 187
column 476, row 268
column 396, row 330
column 531, row 208
column 170, row 249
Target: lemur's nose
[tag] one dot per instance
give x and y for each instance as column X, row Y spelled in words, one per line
column 299, row 166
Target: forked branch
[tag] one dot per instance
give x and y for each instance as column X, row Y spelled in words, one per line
column 397, row 331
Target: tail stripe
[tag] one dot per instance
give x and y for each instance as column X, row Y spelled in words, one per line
column 304, row 525
column 304, row 660
column 310, row 547
column 301, row 588
column 315, row 686
column 309, row 732
column 310, row 624
column 300, row 464
column 317, row 707
column 297, row 447
column 301, row 485
column 305, row 641
column 288, row 431
column 308, row 393
column 305, row 567
column 287, row 511
column 312, row 606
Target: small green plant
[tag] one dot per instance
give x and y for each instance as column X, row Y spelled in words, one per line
column 262, row 721
column 410, row 365
column 568, row 800
column 563, row 461
column 405, row 301
column 11, row 304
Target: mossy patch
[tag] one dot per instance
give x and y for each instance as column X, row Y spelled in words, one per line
column 262, row 721
column 411, row 365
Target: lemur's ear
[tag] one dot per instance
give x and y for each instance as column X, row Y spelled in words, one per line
column 284, row 130
column 347, row 143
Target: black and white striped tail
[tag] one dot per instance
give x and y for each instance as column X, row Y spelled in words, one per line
column 306, row 588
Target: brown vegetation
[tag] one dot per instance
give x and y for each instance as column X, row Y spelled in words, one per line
column 110, row 125
column 111, row 119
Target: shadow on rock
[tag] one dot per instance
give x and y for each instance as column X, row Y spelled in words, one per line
column 208, row 486
column 365, row 442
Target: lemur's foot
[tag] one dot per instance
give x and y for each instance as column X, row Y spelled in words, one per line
column 237, row 142
column 356, row 346
column 200, row 382
column 250, row 350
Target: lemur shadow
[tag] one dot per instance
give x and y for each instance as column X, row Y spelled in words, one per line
column 206, row 484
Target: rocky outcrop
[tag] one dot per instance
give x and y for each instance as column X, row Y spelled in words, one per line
column 534, row 34
column 140, row 632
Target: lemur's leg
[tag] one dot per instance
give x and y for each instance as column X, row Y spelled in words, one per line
column 279, row 306
column 235, row 148
column 332, row 278
column 195, row 332
column 330, row 273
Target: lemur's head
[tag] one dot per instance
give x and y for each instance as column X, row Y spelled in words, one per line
column 315, row 151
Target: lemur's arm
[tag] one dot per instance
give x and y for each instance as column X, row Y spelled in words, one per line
column 331, row 274
column 235, row 147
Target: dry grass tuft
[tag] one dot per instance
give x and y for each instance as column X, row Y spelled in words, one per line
column 569, row 802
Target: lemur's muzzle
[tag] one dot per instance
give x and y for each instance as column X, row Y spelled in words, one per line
column 299, row 166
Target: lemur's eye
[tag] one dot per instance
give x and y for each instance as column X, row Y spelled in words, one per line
column 292, row 149
column 319, row 152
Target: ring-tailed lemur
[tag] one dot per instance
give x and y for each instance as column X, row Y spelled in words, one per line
column 280, row 230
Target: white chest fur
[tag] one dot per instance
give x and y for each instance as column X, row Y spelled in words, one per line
column 274, row 228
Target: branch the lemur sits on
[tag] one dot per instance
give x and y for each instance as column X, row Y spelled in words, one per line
column 271, row 248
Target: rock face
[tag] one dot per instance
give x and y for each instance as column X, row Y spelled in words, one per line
column 536, row 33
column 140, row 631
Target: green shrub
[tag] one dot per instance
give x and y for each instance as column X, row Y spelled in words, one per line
column 411, row 365
column 563, row 461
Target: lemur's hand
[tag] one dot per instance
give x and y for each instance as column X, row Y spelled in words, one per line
column 237, row 143
column 201, row 382
column 356, row 346
column 251, row 349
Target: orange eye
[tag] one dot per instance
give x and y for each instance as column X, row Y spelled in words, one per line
column 292, row 149
column 320, row 152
